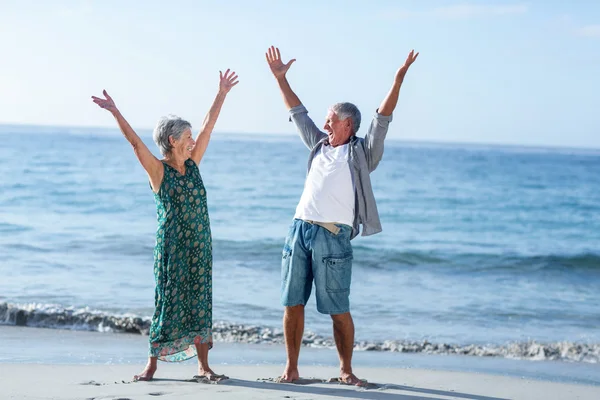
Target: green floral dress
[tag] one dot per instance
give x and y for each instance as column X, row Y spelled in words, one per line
column 182, row 267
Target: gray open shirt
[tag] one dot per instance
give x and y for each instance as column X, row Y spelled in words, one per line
column 364, row 156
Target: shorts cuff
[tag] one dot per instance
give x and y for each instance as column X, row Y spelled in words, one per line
column 292, row 303
column 335, row 312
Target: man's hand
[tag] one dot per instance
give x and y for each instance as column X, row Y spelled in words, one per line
column 391, row 100
column 108, row 103
column 227, row 81
column 278, row 68
column 403, row 69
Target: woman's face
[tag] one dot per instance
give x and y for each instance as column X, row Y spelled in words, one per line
column 184, row 145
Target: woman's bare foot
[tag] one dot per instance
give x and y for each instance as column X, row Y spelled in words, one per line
column 147, row 374
column 209, row 374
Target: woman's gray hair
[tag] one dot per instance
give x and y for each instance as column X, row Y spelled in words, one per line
column 171, row 125
column 345, row 110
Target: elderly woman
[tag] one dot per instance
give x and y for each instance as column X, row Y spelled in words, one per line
column 182, row 321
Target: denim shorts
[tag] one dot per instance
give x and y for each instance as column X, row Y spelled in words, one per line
column 311, row 252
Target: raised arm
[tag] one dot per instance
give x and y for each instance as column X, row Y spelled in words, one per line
column 309, row 132
column 375, row 137
column 226, row 82
column 389, row 103
column 279, row 70
column 151, row 164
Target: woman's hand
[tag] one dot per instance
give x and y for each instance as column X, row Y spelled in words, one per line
column 108, row 103
column 227, row 81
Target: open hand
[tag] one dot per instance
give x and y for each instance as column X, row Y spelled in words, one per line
column 278, row 68
column 412, row 56
column 108, row 103
column 227, row 81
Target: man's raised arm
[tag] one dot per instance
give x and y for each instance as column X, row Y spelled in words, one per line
column 309, row 132
column 379, row 126
column 389, row 103
column 279, row 69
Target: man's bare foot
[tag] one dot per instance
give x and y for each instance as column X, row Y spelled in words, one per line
column 289, row 375
column 209, row 374
column 147, row 374
column 351, row 379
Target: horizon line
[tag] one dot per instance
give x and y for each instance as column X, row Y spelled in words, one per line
column 410, row 140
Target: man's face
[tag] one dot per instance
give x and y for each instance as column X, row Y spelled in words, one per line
column 339, row 131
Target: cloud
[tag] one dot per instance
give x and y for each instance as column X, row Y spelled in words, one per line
column 459, row 11
column 589, row 31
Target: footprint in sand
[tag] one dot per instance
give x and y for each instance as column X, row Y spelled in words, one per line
column 300, row 381
column 364, row 384
column 91, row 383
column 310, row 381
column 204, row 379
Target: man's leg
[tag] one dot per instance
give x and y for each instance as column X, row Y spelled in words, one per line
column 332, row 270
column 343, row 333
column 296, row 285
column 293, row 328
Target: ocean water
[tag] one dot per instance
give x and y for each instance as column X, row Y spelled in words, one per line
column 485, row 250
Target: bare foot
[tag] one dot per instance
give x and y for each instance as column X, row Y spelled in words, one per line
column 289, row 375
column 146, row 374
column 210, row 375
column 351, row 379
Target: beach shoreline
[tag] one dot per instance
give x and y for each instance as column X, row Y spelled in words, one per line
column 246, row 382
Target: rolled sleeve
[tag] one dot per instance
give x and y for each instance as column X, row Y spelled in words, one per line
column 297, row 110
column 375, row 138
column 383, row 118
column 309, row 133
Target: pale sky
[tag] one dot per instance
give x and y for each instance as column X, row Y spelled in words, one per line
column 489, row 71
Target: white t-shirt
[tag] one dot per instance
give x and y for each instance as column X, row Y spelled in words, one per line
column 328, row 194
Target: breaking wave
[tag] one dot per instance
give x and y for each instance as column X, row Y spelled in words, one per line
column 56, row 317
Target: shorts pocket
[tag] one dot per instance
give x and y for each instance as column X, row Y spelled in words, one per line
column 338, row 273
column 286, row 259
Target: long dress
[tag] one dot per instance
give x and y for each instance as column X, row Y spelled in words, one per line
column 182, row 267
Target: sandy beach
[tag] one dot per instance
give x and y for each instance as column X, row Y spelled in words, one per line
column 35, row 381
column 60, row 364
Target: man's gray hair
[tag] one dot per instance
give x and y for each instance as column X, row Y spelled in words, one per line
column 171, row 125
column 345, row 110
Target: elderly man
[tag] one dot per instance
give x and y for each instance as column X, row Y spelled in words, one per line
column 337, row 199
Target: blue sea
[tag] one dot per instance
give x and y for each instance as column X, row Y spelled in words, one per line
column 485, row 250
